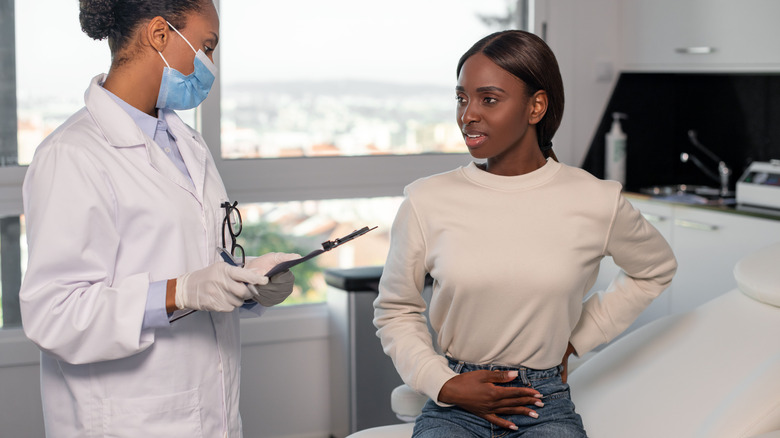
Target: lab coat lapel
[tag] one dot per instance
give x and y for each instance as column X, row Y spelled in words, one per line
column 192, row 148
column 165, row 166
column 121, row 131
column 194, row 154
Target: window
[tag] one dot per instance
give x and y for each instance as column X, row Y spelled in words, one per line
column 345, row 77
column 335, row 105
column 54, row 61
column 374, row 108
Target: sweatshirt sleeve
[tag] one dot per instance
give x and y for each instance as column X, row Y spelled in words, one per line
column 648, row 266
column 398, row 310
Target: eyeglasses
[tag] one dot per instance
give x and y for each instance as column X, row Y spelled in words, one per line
column 235, row 256
column 234, row 225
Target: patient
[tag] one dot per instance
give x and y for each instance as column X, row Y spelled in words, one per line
column 513, row 243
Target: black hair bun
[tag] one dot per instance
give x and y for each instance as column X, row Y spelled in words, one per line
column 97, row 17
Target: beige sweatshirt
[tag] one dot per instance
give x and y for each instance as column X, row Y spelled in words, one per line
column 512, row 259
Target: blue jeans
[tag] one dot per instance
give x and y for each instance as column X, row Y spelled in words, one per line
column 557, row 418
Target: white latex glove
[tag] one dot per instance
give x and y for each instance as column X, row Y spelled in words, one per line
column 219, row 287
column 271, row 292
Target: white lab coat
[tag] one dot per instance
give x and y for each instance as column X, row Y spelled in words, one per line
column 106, row 214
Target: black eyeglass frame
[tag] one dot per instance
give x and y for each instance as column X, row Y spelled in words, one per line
column 227, row 222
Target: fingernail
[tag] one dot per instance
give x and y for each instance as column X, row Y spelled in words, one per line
column 540, row 404
column 513, row 427
column 512, row 374
column 534, row 414
column 538, row 395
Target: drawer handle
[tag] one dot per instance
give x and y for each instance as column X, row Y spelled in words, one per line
column 695, row 225
column 653, row 217
column 695, row 50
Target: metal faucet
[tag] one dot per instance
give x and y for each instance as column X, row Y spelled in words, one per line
column 723, row 170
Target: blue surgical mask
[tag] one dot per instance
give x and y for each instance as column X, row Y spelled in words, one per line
column 180, row 92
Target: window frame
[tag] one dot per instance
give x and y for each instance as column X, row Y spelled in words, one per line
column 11, row 179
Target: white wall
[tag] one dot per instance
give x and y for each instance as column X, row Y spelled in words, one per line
column 20, row 401
column 284, row 380
column 285, row 373
column 584, row 37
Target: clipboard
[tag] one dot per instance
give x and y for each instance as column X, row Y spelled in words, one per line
column 284, row 266
column 326, row 246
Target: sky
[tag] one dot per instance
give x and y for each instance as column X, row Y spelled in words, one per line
column 406, row 41
column 412, row 41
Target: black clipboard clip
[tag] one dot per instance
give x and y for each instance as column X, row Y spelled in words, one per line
column 330, row 244
column 326, row 246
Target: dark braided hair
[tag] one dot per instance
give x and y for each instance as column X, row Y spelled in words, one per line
column 118, row 20
column 531, row 60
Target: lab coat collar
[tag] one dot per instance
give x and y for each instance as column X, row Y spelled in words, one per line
column 112, row 120
column 147, row 123
column 121, row 131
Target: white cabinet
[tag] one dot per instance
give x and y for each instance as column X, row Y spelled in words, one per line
column 708, row 244
column 700, row 35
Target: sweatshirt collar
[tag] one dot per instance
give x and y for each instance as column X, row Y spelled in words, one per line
column 510, row 183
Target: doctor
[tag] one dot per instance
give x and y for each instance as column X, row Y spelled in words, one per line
column 125, row 211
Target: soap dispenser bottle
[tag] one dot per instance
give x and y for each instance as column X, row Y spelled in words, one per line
column 615, row 149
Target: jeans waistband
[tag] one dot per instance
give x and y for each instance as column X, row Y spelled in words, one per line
column 525, row 374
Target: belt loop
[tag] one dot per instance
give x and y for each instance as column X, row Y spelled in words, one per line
column 459, row 366
column 523, row 375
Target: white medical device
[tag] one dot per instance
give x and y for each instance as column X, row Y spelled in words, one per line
column 759, row 186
